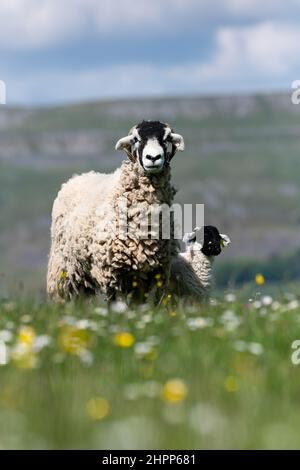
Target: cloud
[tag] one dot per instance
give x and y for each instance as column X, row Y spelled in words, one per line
column 250, row 45
column 256, row 9
column 267, row 49
column 29, row 24
column 38, row 24
column 245, row 58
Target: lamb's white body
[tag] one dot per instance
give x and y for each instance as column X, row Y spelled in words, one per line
column 191, row 273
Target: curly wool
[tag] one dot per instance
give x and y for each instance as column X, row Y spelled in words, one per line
column 85, row 253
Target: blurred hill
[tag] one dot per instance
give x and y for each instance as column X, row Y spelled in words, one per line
column 241, row 160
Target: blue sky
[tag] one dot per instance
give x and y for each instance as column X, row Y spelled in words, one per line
column 54, row 51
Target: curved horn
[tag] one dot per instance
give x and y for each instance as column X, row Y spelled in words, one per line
column 178, row 141
column 124, row 142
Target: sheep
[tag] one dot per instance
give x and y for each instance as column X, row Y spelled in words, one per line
column 191, row 271
column 90, row 252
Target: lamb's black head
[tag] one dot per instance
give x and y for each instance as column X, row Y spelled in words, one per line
column 153, row 144
column 213, row 241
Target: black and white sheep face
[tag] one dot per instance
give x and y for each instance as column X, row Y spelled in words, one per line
column 153, row 144
column 213, row 241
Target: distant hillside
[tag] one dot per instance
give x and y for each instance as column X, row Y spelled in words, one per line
column 242, row 160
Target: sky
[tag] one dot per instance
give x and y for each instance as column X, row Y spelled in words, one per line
column 56, row 51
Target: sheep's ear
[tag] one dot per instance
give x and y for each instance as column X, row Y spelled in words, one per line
column 225, row 240
column 124, row 143
column 177, row 141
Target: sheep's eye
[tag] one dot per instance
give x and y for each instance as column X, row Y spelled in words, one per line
column 136, row 140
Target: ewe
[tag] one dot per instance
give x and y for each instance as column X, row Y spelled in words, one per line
column 91, row 249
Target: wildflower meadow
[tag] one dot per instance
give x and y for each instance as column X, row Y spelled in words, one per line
column 217, row 375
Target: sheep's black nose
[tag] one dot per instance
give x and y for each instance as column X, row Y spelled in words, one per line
column 153, row 158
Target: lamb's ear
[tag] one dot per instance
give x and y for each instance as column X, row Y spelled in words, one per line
column 124, row 143
column 177, row 141
column 225, row 240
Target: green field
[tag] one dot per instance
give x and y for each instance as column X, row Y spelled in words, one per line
column 210, row 376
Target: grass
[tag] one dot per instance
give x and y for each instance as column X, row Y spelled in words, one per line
column 210, row 376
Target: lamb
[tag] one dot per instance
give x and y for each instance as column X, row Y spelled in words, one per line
column 191, row 271
column 91, row 249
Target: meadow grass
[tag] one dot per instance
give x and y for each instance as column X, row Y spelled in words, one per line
column 179, row 376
